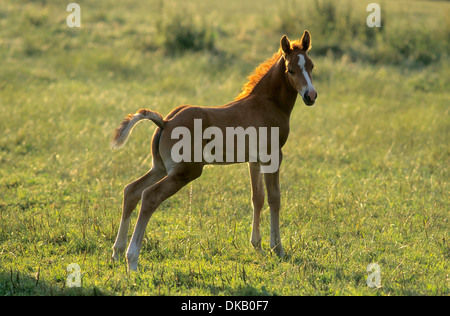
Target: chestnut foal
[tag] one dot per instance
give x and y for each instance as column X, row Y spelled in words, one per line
column 266, row 101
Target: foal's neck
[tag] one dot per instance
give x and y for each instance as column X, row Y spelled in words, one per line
column 275, row 87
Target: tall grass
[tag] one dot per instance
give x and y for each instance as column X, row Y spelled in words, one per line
column 341, row 29
column 182, row 30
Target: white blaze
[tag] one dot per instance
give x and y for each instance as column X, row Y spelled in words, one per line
column 301, row 63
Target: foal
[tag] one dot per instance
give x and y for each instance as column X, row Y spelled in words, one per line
column 266, row 101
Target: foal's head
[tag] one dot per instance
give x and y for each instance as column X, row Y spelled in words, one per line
column 299, row 66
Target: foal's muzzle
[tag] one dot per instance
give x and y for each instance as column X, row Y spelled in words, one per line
column 309, row 97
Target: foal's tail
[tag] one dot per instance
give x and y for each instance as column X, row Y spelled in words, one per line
column 124, row 130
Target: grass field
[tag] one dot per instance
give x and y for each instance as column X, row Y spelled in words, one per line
column 365, row 171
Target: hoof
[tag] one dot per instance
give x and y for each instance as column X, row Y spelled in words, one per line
column 117, row 253
column 278, row 250
column 132, row 267
column 132, row 260
column 256, row 244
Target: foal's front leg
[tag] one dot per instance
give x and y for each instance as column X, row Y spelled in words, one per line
column 257, row 202
column 273, row 196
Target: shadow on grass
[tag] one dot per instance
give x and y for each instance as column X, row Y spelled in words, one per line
column 14, row 283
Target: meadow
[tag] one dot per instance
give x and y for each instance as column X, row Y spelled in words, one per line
column 364, row 177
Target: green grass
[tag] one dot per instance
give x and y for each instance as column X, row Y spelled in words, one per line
column 364, row 178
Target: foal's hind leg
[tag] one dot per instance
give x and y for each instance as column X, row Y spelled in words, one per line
column 131, row 196
column 151, row 199
column 257, row 201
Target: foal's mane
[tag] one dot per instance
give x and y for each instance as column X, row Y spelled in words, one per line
column 261, row 70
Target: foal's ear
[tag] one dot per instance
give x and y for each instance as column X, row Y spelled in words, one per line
column 306, row 41
column 285, row 45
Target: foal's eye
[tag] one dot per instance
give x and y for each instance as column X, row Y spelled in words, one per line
column 290, row 71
